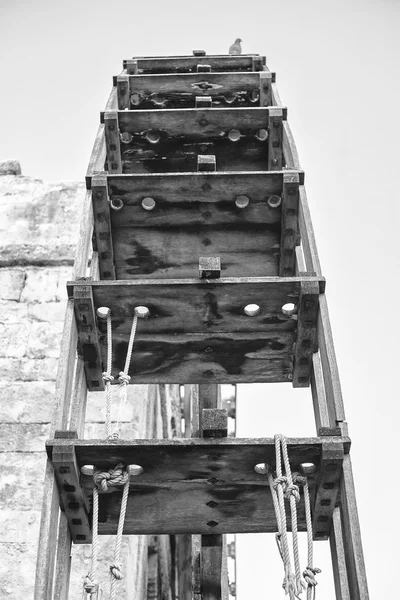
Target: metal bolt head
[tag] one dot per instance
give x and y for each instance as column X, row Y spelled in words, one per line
column 148, row 203
column 274, row 201
column 242, row 201
column 135, row 470
column 234, row 135
column 251, row 310
column 87, row 470
column 142, row 312
column 261, row 469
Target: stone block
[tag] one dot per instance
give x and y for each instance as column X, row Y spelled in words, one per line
column 26, row 369
column 12, row 283
column 13, row 312
column 47, row 312
column 13, row 338
column 44, row 340
column 39, row 222
column 17, row 558
column 46, row 284
column 19, row 526
column 27, row 437
column 22, row 476
column 27, row 402
column 10, row 167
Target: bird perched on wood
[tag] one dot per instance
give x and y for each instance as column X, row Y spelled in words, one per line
column 236, row 48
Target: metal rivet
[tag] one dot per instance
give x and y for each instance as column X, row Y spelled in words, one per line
column 242, row 201
column 102, row 312
column 148, row 203
column 262, row 135
column 274, row 201
column 142, row 312
column 261, row 469
column 116, row 203
column 288, row 309
column 251, row 310
column 234, row 135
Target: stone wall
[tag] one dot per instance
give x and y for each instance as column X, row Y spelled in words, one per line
column 39, row 224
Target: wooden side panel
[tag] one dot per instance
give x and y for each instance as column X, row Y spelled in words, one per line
column 265, row 88
column 337, row 544
column 275, row 130
column 102, row 226
column 88, row 337
column 123, row 92
column 188, row 64
column 327, row 489
column 113, row 145
column 306, row 342
column 289, row 232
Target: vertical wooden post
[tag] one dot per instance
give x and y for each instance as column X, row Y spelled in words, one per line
column 113, row 143
column 275, row 131
column 338, row 558
column 123, row 92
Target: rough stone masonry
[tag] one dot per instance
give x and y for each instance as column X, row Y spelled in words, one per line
column 39, row 224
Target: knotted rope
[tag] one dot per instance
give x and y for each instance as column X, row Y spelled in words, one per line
column 124, row 378
column 310, row 571
column 91, row 584
column 108, row 378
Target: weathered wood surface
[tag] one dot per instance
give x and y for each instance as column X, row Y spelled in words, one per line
column 327, row 489
column 170, row 140
column 289, row 224
column 101, row 210
column 198, row 486
column 197, row 330
column 98, row 156
column 306, row 341
column 337, row 544
column 180, row 91
column 113, row 145
column 88, row 341
column 188, row 64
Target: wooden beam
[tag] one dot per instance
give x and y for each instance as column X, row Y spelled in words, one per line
column 265, row 88
column 337, row 544
column 88, row 337
column 275, row 129
column 187, row 64
column 306, row 333
column 211, row 567
column 97, row 157
column 113, row 144
column 329, row 474
column 123, row 92
column 102, row 226
column 352, row 535
column 289, row 224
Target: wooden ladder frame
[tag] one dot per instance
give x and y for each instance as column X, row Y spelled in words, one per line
column 54, row 560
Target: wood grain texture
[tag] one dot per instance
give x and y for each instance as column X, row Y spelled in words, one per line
column 98, row 156
column 337, row 545
column 289, row 224
column 327, row 489
column 179, row 91
column 188, row 64
column 88, row 337
column 306, row 341
column 197, row 330
column 189, row 485
column 275, row 136
column 195, row 215
column 265, row 83
column 113, row 145
column 123, row 92
column 170, row 140
column 102, row 226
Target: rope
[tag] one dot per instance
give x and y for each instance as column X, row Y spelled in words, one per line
column 310, row 571
column 108, row 378
column 124, row 378
column 292, row 492
column 115, row 568
column 91, row 584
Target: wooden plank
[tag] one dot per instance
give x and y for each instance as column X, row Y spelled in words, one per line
column 180, row 91
column 170, row 140
column 290, row 156
column 265, row 91
column 84, row 243
column 275, row 132
column 187, row 64
column 123, row 92
column 214, row 422
column 211, row 567
column 289, row 224
column 102, row 226
column 131, row 66
column 112, row 102
column 198, row 486
column 329, row 365
column 113, row 144
column 98, row 156
column 321, row 411
column 88, row 337
column 330, row 471
column 337, row 544
column 189, row 333
column 307, row 235
column 275, row 97
column 308, row 310
column 63, row 559
column 196, row 567
column 352, row 534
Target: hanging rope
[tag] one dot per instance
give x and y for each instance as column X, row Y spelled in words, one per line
column 310, row 571
column 108, row 378
column 124, row 378
column 91, row 584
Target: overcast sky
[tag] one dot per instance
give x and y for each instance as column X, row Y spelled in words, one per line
column 337, row 66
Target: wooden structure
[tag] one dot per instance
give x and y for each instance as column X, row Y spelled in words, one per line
column 197, row 210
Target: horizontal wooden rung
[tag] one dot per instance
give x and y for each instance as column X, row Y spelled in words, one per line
column 188, row 64
column 196, row 485
column 227, row 330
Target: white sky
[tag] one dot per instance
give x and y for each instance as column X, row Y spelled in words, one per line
column 337, row 71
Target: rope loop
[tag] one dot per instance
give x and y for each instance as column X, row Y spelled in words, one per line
column 281, row 480
column 107, row 377
column 123, row 378
column 116, row 476
column 91, row 586
column 292, row 490
column 116, row 571
column 309, row 575
column 113, row 436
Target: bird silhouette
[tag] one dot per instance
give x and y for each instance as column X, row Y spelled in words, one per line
column 236, row 48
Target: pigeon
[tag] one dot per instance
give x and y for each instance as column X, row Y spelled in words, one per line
column 236, row 48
